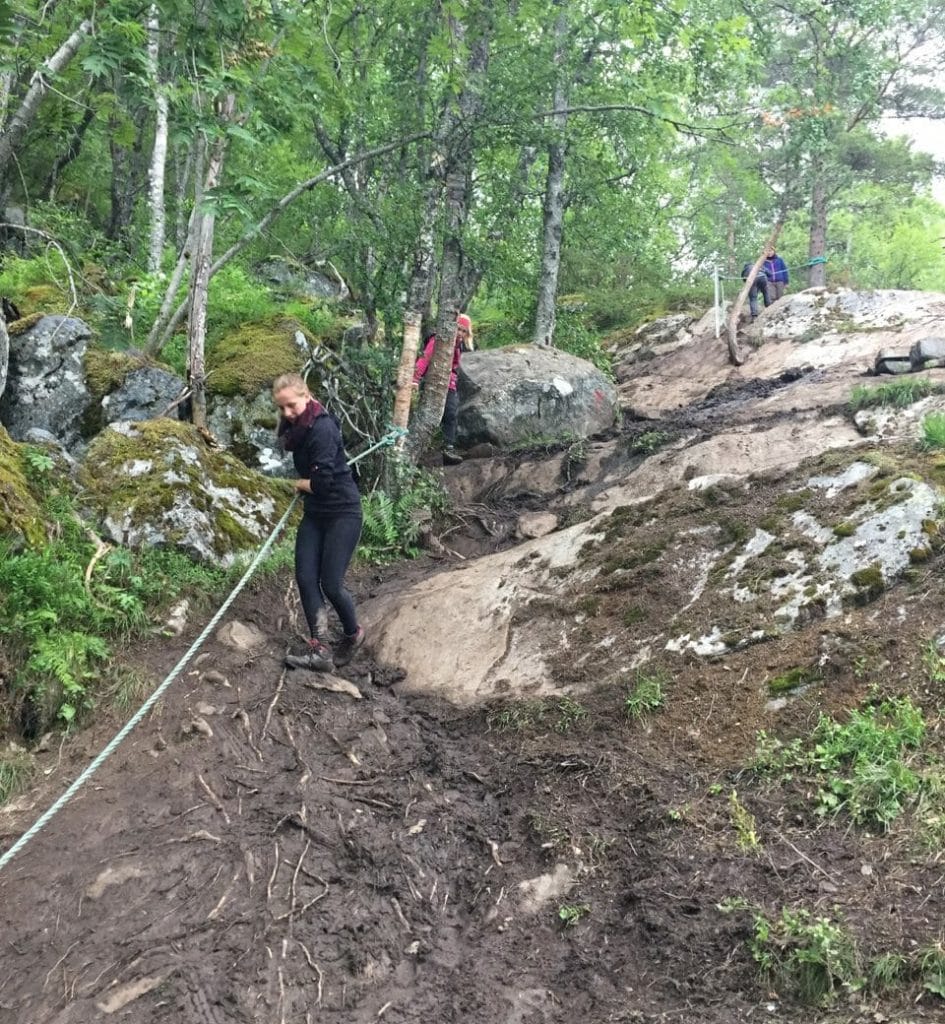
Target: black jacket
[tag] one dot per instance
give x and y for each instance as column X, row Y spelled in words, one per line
column 321, row 459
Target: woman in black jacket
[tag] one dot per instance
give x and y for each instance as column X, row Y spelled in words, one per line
column 331, row 522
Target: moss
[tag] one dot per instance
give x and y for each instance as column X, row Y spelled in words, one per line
column 793, row 679
column 869, row 582
column 43, row 299
column 249, row 360
column 844, row 530
column 771, row 524
column 930, row 527
column 149, row 498
column 633, row 615
column 589, row 604
column 920, row 554
column 734, row 531
column 632, row 558
column 106, row 370
column 20, row 515
column 22, row 325
column 794, row 501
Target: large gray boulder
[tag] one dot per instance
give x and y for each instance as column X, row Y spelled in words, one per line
column 300, row 280
column 247, row 427
column 46, row 386
column 145, row 394
column 525, row 393
column 157, row 484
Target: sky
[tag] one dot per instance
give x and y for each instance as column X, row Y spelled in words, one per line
column 928, row 136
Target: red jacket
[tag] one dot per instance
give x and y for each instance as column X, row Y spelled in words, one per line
column 423, row 363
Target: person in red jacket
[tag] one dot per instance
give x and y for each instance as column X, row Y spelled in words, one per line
column 462, row 342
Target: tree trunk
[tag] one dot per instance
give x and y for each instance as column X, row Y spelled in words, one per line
column 731, row 266
column 733, row 355
column 163, row 327
column 419, row 291
column 12, row 135
column 817, row 275
column 4, row 354
column 553, row 211
column 71, row 153
column 459, row 148
column 205, row 223
column 159, row 152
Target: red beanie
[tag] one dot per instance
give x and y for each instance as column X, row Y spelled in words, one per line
column 463, row 321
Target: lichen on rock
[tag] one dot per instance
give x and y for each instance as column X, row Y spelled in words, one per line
column 21, row 518
column 249, row 360
column 157, row 484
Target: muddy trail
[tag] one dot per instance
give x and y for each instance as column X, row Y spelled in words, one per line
column 262, row 850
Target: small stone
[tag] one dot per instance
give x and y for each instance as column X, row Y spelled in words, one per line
column 198, row 725
column 218, row 678
column 207, row 710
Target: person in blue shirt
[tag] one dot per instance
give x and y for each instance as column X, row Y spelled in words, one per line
column 777, row 273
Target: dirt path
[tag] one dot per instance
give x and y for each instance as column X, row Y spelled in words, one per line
column 322, row 858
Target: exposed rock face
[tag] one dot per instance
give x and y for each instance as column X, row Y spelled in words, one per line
column 247, row 426
column 511, row 396
column 301, row 281
column 46, row 386
column 157, row 484
column 147, row 393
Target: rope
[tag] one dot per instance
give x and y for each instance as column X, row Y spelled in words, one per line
column 389, row 438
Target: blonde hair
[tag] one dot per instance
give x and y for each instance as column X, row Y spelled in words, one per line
column 290, row 380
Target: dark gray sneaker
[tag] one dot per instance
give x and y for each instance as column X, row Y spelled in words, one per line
column 346, row 647
column 451, row 456
column 314, row 656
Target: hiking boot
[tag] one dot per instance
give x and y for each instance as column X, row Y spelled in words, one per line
column 451, row 456
column 347, row 645
column 315, row 656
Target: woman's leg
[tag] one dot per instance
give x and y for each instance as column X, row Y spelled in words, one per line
column 309, row 548
column 340, row 540
column 450, row 417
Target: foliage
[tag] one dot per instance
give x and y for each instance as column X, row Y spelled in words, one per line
column 864, row 766
column 646, row 695
column 814, row 956
column 60, row 628
column 393, row 519
column 933, row 431
column 561, row 713
column 743, row 821
column 897, row 394
column 570, row 913
column 16, row 768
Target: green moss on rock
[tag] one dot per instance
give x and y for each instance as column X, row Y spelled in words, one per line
column 106, row 370
column 22, row 325
column 158, row 479
column 20, row 514
column 249, row 360
column 869, row 582
column 793, row 679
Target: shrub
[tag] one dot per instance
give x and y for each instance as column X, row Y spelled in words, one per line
column 933, row 431
column 897, row 394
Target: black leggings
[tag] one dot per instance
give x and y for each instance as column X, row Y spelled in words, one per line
column 323, row 549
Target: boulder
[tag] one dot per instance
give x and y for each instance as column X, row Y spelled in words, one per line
column 302, row 281
column 247, row 361
column 892, row 361
column 928, row 353
column 156, row 483
column 247, row 427
column 46, row 386
column 147, row 393
column 525, row 393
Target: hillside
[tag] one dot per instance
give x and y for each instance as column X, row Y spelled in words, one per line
column 653, row 736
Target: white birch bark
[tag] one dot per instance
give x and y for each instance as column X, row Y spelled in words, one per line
column 12, row 135
column 553, row 211
column 159, row 153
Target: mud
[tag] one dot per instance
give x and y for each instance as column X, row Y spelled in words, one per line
column 314, row 857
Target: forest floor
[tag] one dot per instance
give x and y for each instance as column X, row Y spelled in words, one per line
column 260, row 850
